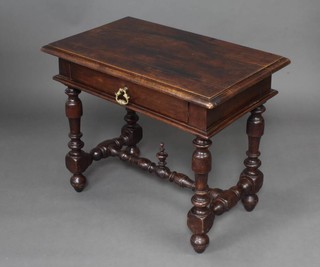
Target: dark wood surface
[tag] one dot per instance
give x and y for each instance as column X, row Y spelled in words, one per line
column 196, row 83
column 195, row 68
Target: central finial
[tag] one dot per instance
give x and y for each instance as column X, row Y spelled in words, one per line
column 162, row 156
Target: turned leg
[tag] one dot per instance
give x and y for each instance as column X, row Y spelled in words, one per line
column 251, row 179
column 77, row 161
column 133, row 131
column 200, row 217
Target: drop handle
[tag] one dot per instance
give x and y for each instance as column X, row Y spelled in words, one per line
column 122, row 96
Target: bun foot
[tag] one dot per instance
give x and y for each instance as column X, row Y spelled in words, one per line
column 199, row 242
column 249, row 202
column 78, row 182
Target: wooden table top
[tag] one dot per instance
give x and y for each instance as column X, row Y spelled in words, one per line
column 175, row 62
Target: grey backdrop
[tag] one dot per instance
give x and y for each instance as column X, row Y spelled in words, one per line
column 126, row 218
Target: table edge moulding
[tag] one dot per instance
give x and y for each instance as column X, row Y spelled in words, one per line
column 193, row 82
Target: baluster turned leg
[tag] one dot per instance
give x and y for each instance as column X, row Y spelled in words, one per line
column 77, row 161
column 134, row 132
column 200, row 217
column 252, row 178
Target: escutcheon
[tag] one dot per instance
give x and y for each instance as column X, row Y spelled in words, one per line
column 122, row 97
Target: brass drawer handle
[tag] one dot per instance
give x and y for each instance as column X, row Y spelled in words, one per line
column 122, row 97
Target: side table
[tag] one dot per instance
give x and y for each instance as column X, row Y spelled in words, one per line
column 196, row 83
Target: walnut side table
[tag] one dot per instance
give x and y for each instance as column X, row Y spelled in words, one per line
column 196, row 83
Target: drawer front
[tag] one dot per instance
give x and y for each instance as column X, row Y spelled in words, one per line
column 140, row 97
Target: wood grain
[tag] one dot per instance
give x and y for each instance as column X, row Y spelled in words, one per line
column 195, row 83
column 195, row 68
